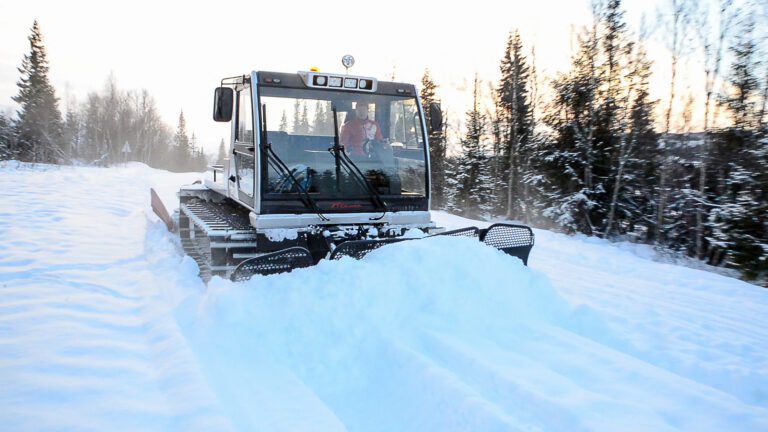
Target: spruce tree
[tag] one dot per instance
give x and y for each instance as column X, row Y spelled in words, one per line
column 742, row 99
column 638, row 160
column 39, row 122
column 304, row 120
column 569, row 160
column 474, row 184
column 6, row 138
column 296, row 125
column 283, row 123
column 321, row 124
column 71, row 134
column 182, row 147
column 534, row 184
column 223, row 152
column 625, row 144
column 514, row 125
column 198, row 162
column 739, row 221
column 437, row 147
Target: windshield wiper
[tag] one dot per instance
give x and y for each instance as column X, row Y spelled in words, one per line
column 343, row 159
column 278, row 165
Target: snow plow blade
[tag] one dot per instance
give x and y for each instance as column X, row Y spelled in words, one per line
column 357, row 249
column 273, row 263
column 514, row 240
column 160, row 211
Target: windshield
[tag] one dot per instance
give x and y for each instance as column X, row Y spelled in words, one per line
column 381, row 134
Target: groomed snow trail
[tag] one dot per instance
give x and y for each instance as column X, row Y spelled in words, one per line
column 87, row 341
column 104, row 326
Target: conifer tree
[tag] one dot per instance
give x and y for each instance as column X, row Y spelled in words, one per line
column 514, row 126
column 739, row 221
column 182, row 145
column 569, row 160
column 71, row 136
column 6, row 138
column 677, row 28
column 639, row 156
column 39, row 125
column 712, row 44
column 304, row 120
column 296, row 125
column 283, row 123
column 223, row 151
column 473, row 181
column 534, row 184
column 321, row 124
column 625, row 136
column 198, row 161
column 437, row 147
column 742, row 99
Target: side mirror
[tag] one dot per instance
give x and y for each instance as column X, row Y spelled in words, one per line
column 223, row 99
column 435, row 118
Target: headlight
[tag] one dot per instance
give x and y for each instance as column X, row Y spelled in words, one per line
column 320, row 80
column 350, row 83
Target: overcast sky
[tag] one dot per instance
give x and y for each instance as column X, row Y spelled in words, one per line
column 179, row 52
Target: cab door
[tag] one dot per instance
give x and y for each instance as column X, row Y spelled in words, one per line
column 244, row 148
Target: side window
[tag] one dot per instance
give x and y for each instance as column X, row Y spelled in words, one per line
column 404, row 124
column 245, row 173
column 244, row 116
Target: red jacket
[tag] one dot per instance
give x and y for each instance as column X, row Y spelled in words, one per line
column 355, row 132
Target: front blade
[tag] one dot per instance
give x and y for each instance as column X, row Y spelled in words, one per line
column 160, row 211
column 515, row 240
column 357, row 249
column 282, row 261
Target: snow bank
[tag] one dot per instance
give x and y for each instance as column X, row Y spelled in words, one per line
column 338, row 327
column 442, row 334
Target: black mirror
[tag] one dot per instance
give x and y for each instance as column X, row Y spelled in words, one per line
column 435, row 118
column 222, row 104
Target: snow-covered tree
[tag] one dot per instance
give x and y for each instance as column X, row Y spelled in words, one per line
column 569, row 160
column 513, row 127
column 39, row 124
column 739, row 219
column 473, row 182
column 7, row 137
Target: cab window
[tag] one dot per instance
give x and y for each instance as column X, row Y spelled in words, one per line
column 244, row 131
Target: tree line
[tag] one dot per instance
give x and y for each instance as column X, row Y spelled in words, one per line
column 593, row 158
column 588, row 152
column 109, row 126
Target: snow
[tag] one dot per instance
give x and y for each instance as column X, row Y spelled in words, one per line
column 280, row 234
column 105, row 326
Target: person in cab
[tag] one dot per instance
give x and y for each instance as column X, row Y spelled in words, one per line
column 359, row 134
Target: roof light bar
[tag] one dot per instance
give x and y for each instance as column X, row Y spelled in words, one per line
column 346, row 82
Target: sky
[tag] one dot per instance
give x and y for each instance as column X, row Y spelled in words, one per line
column 179, row 52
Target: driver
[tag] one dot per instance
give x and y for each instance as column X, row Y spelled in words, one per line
column 357, row 133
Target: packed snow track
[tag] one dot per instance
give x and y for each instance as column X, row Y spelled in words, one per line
column 104, row 325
